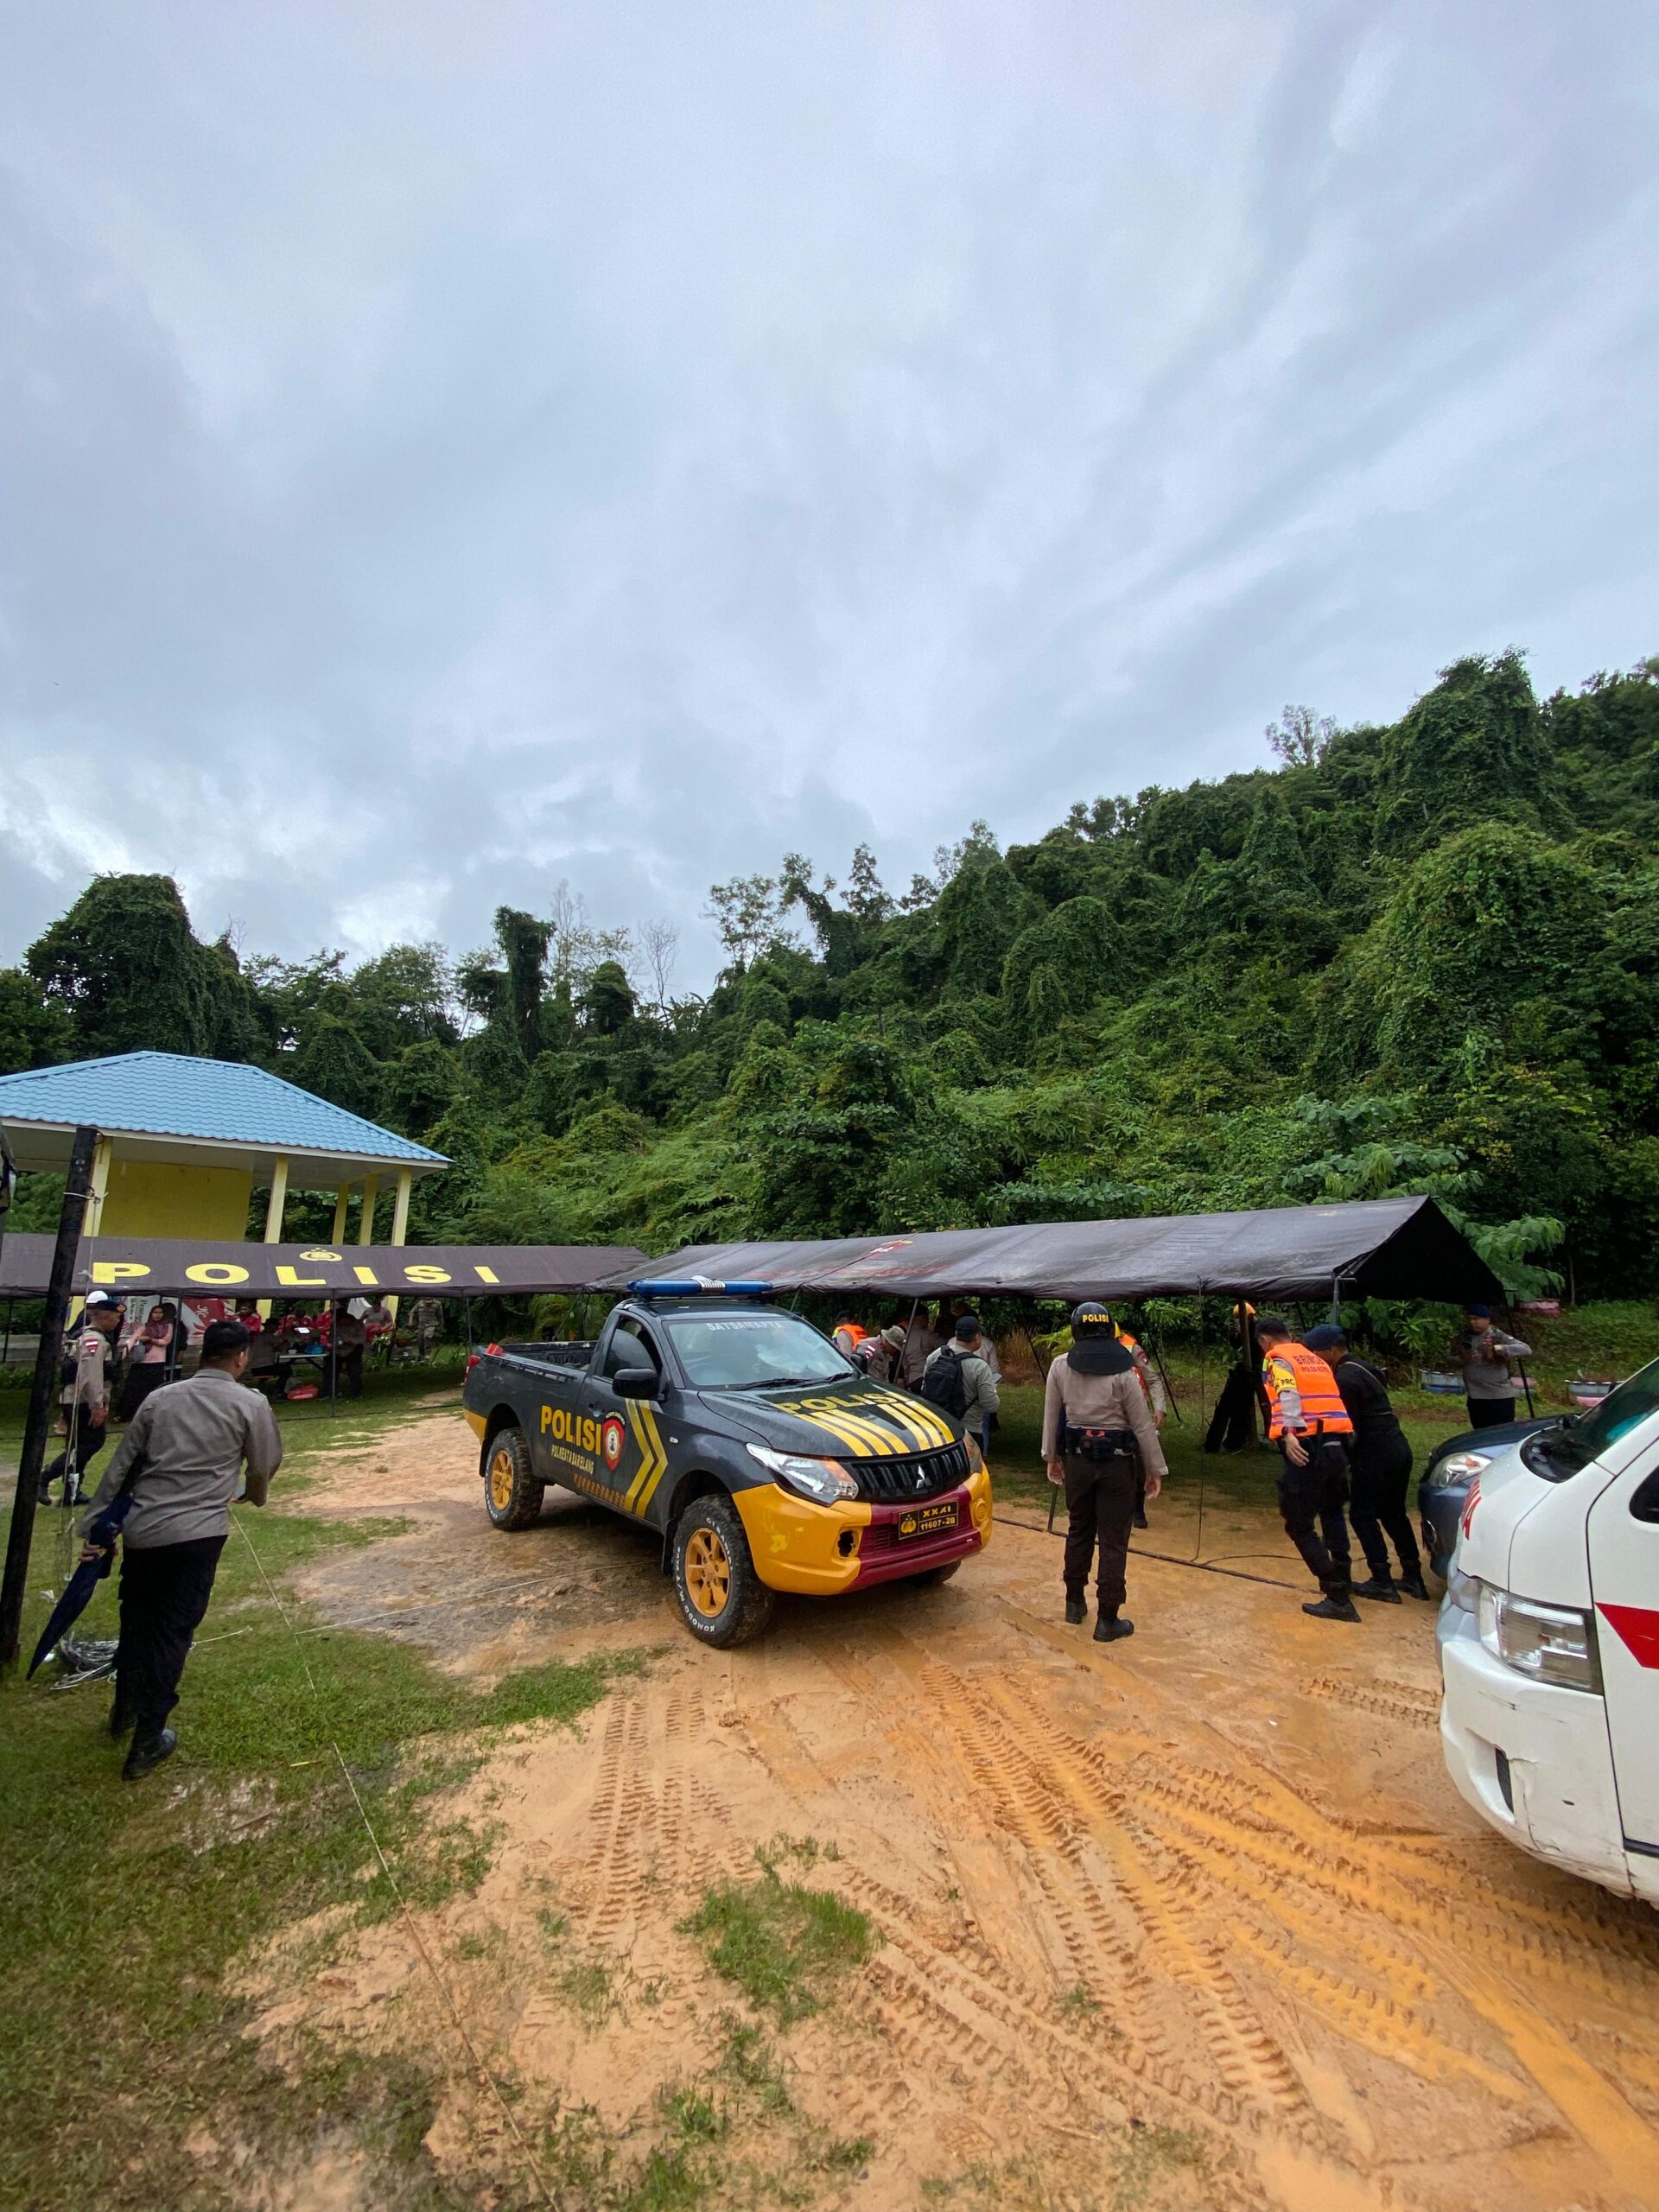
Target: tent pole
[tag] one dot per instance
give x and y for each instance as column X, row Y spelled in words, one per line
column 47, row 1353
column 899, row 1377
column 1036, row 1362
column 5, row 1350
column 334, row 1357
column 1203, row 1457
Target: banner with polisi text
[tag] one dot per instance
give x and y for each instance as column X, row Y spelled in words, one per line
column 173, row 1266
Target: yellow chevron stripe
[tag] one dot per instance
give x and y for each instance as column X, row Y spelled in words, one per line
column 859, row 1443
column 881, row 1443
column 932, row 1427
column 650, row 1490
column 647, row 1457
column 844, row 1420
column 919, row 1432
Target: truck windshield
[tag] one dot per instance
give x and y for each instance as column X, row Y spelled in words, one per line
column 739, row 1352
column 1555, row 1453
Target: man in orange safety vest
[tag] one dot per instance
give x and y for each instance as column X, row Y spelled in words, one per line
column 1314, row 1430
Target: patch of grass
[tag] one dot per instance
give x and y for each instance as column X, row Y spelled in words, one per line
column 1150, row 2157
column 586, row 1986
column 781, row 1943
column 124, row 1909
column 749, row 2063
column 1080, row 2004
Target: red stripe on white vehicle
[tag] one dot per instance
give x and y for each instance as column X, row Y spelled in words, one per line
column 1637, row 1626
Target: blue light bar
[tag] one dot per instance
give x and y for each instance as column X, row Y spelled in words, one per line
column 701, row 1287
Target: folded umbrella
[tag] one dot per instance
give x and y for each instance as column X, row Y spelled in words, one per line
column 77, row 1592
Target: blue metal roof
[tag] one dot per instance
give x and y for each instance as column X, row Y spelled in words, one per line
column 224, row 1102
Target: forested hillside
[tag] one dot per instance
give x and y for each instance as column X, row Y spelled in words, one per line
column 1423, row 957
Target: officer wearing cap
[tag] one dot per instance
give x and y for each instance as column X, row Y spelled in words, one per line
column 1097, row 1430
column 85, row 1395
column 1314, row 1430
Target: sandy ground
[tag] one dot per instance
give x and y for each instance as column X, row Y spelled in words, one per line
column 1212, row 1880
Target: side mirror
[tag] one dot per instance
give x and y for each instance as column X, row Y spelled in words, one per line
column 636, row 1382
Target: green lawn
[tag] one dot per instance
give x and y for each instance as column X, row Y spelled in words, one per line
column 123, row 1906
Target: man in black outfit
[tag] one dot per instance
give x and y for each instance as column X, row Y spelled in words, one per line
column 1381, row 1459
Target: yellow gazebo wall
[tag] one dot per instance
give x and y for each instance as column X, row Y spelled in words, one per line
column 145, row 1197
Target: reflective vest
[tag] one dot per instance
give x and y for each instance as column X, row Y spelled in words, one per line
column 852, row 1329
column 1141, row 1365
column 1291, row 1367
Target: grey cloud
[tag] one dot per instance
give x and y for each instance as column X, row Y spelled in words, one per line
column 444, row 453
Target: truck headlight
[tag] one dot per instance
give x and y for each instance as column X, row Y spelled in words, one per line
column 1550, row 1643
column 1456, row 1467
column 825, row 1480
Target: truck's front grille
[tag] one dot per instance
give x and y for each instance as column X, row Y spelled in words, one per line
column 900, row 1482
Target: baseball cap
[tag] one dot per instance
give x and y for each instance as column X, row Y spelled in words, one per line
column 96, row 1298
column 1478, row 1313
column 1325, row 1338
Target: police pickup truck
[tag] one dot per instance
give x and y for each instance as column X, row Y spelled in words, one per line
column 764, row 1460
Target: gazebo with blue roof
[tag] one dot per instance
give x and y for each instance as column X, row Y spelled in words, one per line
column 184, row 1144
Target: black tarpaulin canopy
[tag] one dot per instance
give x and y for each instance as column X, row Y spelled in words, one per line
column 1377, row 1248
column 176, row 1266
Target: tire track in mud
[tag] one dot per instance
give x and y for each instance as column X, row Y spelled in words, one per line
column 1386, row 2023
column 1246, row 2056
column 1252, row 2082
column 1389, row 1700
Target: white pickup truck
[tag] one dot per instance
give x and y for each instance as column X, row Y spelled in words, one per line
column 1550, row 1643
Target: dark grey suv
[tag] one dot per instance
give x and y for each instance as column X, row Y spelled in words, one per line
column 1443, row 1488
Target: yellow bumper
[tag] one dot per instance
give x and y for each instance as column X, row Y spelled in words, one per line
column 815, row 1550
column 478, row 1423
column 811, row 1549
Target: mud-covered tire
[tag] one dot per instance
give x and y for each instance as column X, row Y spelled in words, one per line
column 512, row 1495
column 722, row 1598
column 932, row 1578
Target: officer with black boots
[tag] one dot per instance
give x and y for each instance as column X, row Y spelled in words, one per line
column 1097, row 1431
column 1314, row 1430
column 1381, row 1471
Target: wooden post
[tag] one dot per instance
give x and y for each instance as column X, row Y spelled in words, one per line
column 48, row 1353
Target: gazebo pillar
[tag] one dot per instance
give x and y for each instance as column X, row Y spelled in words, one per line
column 342, row 1199
column 277, row 1201
column 400, row 1221
column 366, row 1226
column 274, row 1205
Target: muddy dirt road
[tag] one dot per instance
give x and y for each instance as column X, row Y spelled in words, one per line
column 1212, row 1881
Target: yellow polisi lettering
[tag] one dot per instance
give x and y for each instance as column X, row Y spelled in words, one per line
column 547, row 1419
column 368, row 1275
column 118, row 1271
column 295, row 1281
column 484, row 1274
column 427, row 1274
column 220, row 1271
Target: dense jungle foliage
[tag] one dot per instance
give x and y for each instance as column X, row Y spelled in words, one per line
column 1418, row 958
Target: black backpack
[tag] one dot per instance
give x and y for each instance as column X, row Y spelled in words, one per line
column 942, row 1384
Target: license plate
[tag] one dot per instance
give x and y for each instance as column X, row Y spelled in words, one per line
column 928, row 1520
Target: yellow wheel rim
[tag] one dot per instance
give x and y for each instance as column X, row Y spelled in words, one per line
column 707, row 1573
column 501, row 1481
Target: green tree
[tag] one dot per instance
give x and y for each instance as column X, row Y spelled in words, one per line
column 126, row 967
column 1472, row 750
column 35, row 1031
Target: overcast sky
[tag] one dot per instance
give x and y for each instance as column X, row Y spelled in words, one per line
column 447, row 447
